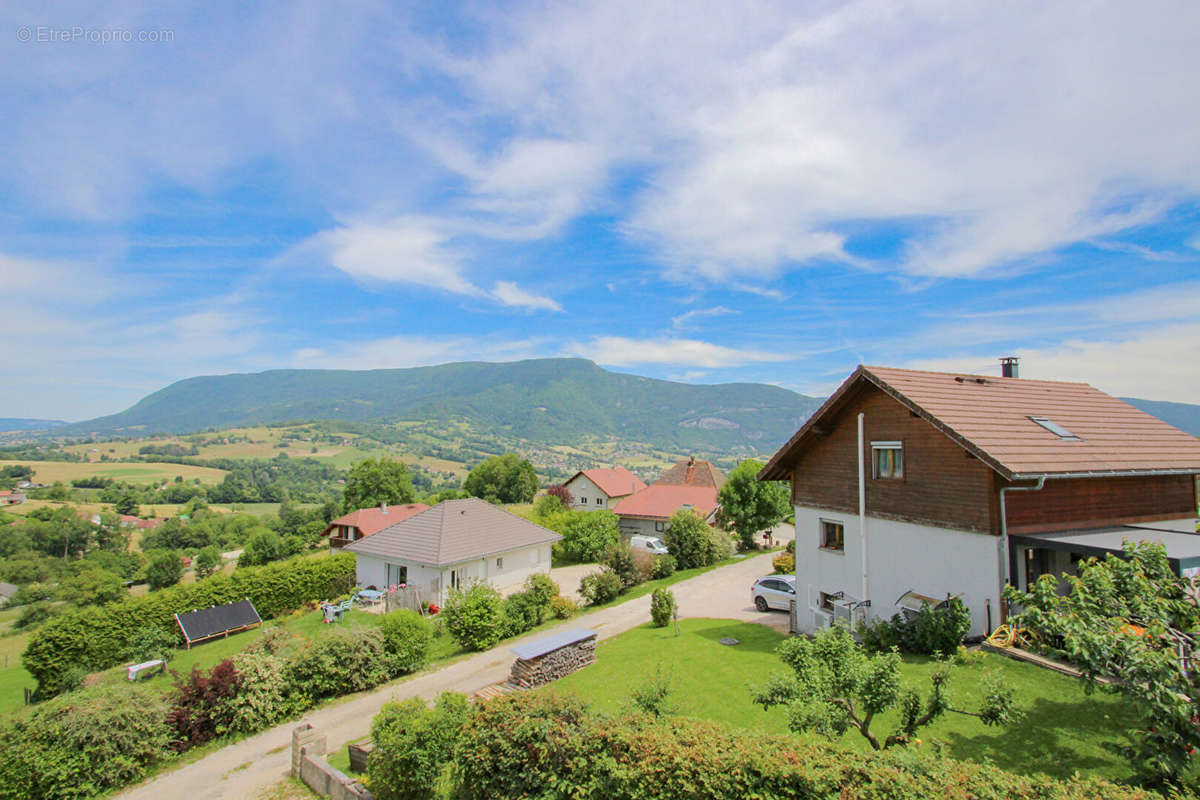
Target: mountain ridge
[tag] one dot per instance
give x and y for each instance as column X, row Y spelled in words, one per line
column 539, row 399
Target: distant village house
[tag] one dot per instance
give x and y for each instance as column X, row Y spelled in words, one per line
column 594, row 489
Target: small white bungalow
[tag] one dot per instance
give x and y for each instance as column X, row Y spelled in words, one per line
column 453, row 544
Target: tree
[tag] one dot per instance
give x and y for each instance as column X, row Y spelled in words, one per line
column 691, row 540
column 263, row 547
column 375, row 481
column 127, row 503
column 93, row 586
column 503, row 479
column 836, row 685
column 588, row 535
column 749, row 505
column 165, row 569
column 563, row 494
column 1125, row 618
column 208, row 561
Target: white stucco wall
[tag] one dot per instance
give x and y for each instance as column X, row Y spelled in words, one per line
column 516, row 566
column 901, row 557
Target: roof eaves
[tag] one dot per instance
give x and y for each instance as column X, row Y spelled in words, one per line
column 774, row 471
column 1104, row 473
column 954, row 435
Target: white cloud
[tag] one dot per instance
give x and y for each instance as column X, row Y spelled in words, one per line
column 1156, row 364
column 409, row 250
column 510, row 294
column 619, row 351
column 684, row 319
column 762, row 132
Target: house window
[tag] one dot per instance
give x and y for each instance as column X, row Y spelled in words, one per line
column 599, row 501
column 397, row 574
column 454, row 582
column 583, row 501
column 887, row 459
column 833, row 535
column 499, row 563
column 660, row 526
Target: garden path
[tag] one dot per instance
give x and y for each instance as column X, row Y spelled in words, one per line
column 244, row 770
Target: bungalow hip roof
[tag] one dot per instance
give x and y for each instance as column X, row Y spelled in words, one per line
column 454, row 531
column 996, row 419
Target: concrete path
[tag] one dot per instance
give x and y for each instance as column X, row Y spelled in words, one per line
column 244, row 770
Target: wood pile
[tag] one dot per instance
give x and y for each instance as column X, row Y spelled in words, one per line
column 543, row 669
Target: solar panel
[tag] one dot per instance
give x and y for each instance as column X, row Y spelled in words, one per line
column 206, row 623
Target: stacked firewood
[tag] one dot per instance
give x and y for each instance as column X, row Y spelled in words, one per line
column 528, row 673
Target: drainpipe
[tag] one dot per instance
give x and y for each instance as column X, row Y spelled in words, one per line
column 862, row 504
column 1004, row 556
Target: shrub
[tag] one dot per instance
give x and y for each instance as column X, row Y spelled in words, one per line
column 620, row 560
column 662, row 607
column 474, row 617
column 600, row 587
column 32, row 593
column 200, row 708
column 340, row 662
column 521, row 611
column 406, row 637
column 539, row 744
column 587, row 535
column 653, row 696
column 693, row 542
column 563, row 607
column 82, row 745
column 931, row 631
column 97, row 637
column 264, row 697
column 663, row 567
column 547, row 505
column 151, row 643
column 791, row 547
column 784, row 564
column 413, row 747
column 36, row 614
column 543, row 586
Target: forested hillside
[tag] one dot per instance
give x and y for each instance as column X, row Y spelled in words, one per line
column 544, row 400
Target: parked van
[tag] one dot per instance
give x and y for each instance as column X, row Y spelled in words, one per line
column 651, row 544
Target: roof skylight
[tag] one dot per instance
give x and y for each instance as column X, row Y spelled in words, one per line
column 1056, row 429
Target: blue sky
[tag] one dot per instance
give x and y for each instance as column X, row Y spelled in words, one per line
column 703, row 192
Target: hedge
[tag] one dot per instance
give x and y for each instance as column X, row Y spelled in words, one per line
column 82, row 744
column 547, row 746
column 97, row 637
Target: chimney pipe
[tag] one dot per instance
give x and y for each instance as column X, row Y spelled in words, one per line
column 1009, row 368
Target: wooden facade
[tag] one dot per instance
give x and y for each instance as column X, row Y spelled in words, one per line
column 946, row 486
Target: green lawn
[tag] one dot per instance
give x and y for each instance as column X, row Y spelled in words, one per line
column 13, row 677
column 1064, row 730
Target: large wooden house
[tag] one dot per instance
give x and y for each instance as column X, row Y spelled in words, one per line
column 911, row 484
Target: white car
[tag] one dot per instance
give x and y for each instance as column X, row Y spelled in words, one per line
column 774, row 591
column 651, row 544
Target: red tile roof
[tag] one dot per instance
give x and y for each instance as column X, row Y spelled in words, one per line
column 616, row 482
column 661, row 500
column 990, row 418
column 373, row 520
column 691, row 472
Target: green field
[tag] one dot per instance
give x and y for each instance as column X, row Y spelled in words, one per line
column 1064, row 730
column 49, row 472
